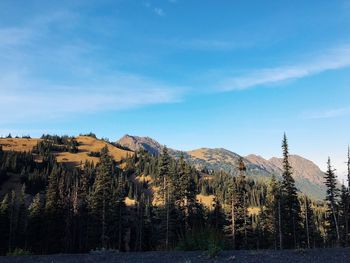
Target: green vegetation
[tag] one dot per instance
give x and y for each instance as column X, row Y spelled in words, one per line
column 54, row 143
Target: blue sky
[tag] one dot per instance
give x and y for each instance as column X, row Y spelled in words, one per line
column 232, row 74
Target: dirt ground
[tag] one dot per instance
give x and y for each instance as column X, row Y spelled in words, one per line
column 293, row 256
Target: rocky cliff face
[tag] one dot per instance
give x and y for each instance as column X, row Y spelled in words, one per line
column 136, row 143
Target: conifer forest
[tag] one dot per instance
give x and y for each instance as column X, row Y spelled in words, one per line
column 60, row 208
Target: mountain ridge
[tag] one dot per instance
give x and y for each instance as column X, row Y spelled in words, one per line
column 308, row 176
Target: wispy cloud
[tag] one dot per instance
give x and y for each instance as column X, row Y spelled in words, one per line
column 327, row 114
column 159, row 11
column 332, row 59
column 28, row 98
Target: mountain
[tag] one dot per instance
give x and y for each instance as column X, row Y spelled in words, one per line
column 268, row 166
column 307, row 175
column 302, row 168
column 136, row 143
column 221, row 159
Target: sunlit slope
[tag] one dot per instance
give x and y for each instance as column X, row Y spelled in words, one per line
column 86, row 145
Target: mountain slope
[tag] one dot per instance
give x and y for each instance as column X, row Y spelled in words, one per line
column 302, row 168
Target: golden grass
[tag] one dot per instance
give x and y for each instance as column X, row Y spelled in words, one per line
column 199, row 153
column 207, row 201
column 129, row 202
column 89, row 144
column 86, row 144
column 254, row 210
column 18, row 144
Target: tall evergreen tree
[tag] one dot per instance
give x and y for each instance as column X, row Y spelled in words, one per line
column 118, row 213
column 290, row 206
column 35, row 226
column 270, row 216
column 166, row 186
column 332, row 204
column 311, row 235
column 13, row 220
column 344, row 214
column 53, row 213
column 217, row 219
column 163, row 175
column 233, row 200
column 242, row 218
column 101, row 200
column 82, row 205
column 186, row 194
column 21, row 224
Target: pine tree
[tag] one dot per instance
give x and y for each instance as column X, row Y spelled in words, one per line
column 163, row 175
column 216, row 218
column 165, row 188
column 238, row 220
column 270, row 216
column 290, row 206
column 21, row 224
column 101, row 198
column 232, row 194
column 53, row 213
column 82, row 205
column 118, row 213
column 332, row 204
column 344, row 214
column 311, row 235
column 242, row 205
column 186, row 194
column 13, row 219
column 34, row 229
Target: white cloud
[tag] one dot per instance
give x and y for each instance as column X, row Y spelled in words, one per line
column 159, row 11
column 327, row 114
column 333, row 59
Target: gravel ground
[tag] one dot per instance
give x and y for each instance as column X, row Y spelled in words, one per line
column 336, row 255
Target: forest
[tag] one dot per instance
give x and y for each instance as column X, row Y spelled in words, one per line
column 65, row 209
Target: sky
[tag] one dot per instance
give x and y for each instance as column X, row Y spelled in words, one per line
column 188, row 73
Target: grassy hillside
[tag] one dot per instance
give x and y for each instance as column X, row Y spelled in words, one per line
column 87, row 144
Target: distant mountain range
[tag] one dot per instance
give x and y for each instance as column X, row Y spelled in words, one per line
column 307, row 175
